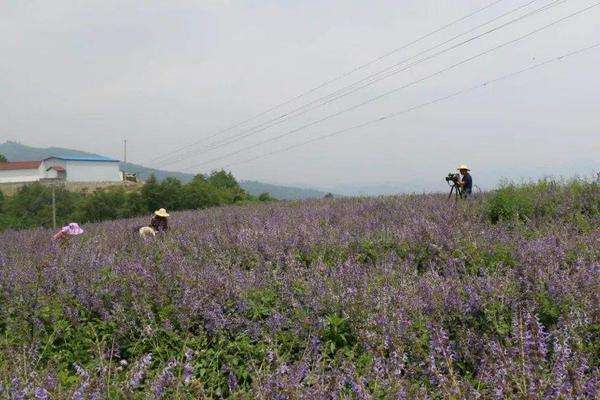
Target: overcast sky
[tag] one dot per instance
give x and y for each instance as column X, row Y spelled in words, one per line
column 167, row 73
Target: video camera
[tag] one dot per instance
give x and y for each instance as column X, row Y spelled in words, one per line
column 453, row 177
column 453, row 180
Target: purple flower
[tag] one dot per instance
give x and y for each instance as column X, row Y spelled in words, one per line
column 439, row 302
column 42, row 394
column 163, row 380
column 140, row 371
column 188, row 367
column 232, row 382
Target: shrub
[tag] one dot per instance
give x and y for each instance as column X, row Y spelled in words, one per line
column 543, row 200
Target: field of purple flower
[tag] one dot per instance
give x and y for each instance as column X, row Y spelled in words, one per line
column 410, row 297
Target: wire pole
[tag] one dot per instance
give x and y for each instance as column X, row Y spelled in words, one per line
column 125, row 151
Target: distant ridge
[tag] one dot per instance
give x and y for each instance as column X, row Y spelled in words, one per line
column 14, row 151
column 281, row 192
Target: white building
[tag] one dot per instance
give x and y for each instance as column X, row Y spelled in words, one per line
column 70, row 169
column 85, row 169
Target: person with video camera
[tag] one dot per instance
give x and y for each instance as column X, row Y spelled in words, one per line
column 466, row 182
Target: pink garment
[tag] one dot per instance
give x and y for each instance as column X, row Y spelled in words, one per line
column 72, row 229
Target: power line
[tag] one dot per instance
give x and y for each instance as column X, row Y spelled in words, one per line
column 337, row 78
column 373, row 99
column 423, row 105
column 370, row 80
column 286, row 117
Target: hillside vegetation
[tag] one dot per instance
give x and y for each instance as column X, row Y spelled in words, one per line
column 31, row 205
column 411, row 297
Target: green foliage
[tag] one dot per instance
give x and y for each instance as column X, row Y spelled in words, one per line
column 418, row 349
column 31, row 205
column 545, row 199
column 106, row 204
column 152, row 194
column 497, row 319
column 369, row 250
column 489, row 259
column 590, row 342
column 549, row 309
column 222, row 180
column 509, row 203
column 200, row 193
column 261, row 303
column 3, row 158
column 65, row 343
column 172, row 194
column 337, row 334
column 265, row 197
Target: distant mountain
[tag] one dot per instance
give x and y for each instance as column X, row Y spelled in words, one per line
column 385, row 188
column 14, row 151
column 281, row 192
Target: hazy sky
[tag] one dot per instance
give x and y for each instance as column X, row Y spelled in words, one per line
column 166, row 73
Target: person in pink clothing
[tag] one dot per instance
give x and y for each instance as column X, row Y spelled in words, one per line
column 63, row 235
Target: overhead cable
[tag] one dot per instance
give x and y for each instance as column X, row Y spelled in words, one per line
column 422, row 105
column 373, row 99
column 337, row 78
column 346, row 91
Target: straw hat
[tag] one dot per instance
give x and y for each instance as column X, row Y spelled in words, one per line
column 463, row 166
column 161, row 213
column 72, row 229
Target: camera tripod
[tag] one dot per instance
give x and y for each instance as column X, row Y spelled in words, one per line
column 454, row 188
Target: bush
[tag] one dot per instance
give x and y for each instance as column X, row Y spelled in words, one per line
column 543, row 200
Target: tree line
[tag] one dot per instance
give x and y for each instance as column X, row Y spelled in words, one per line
column 31, row 205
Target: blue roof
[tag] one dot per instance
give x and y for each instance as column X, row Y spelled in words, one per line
column 84, row 158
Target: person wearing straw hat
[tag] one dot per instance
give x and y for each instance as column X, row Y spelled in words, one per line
column 466, row 182
column 66, row 232
column 159, row 221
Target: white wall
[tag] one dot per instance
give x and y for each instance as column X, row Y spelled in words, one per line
column 19, row 175
column 52, row 174
column 93, row 171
